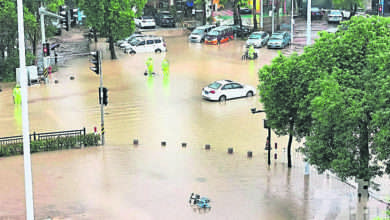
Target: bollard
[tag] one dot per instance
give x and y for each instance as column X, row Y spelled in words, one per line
column 276, row 146
column 71, row 78
column 207, row 147
column 55, row 81
column 163, row 143
column 275, row 156
column 230, row 150
column 135, row 142
column 184, row 144
column 249, row 153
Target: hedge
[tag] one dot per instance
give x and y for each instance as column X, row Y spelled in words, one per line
column 55, row 143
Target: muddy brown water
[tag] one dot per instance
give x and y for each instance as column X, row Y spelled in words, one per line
column 122, row 181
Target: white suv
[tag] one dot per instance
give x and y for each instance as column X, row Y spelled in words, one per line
column 145, row 21
column 147, row 44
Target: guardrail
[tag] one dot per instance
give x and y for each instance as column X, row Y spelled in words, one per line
column 42, row 136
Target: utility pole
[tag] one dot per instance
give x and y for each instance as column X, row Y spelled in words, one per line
column 308, row 33
column 292, row 23
column 266, row 125
column 26, row 127
column 273, row 17
column 101, row 99
column 308, row 42
column 261, row 15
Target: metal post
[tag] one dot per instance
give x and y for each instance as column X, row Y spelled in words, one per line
column 269, row 146
column 101, row 96
column 308, row 37
column 273, row 17
column 308, row 42
column 26, row 137
column 261, row 15
column 292, row 22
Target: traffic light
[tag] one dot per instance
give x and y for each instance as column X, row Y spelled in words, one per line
column 95, row 61
column 105, row 96
column 73, row 17
column 65, row 17
column 46, row 49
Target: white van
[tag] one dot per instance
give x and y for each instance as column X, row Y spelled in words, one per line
column 199, row 33
column 147, row 44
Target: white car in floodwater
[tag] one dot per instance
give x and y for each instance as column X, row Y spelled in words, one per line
column 222, row 90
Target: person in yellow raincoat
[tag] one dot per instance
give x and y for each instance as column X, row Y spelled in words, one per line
column 149, row 66
column 251, row 52
column 165, row 67
column 17, row 95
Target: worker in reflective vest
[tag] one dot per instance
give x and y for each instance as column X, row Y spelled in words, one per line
column 17, row 94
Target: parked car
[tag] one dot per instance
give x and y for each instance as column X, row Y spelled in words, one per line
column 198, row 34
column 245, row 11
column 346, row 14
column 226, row 89
column 147, row 44
column 119, row 42
column 316, row 13
column 257, row 39
column 165, row 19
column 126, row 43
column 145, row 22
column 279, row 40
column 335, row 16
column 360, row 12
column 243, row 31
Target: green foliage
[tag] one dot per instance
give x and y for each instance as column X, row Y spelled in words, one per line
column 337, row 95
column 112, row 18
column 55, row 143
column 347, row 4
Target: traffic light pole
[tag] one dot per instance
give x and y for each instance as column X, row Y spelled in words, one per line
column 42, row 13
column 101, row 96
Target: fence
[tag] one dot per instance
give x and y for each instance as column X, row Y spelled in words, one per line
column 42, row 136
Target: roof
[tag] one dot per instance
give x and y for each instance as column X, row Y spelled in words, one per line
column 224, row 81
column 205, row 26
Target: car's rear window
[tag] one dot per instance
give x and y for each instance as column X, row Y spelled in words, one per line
column 215, row 85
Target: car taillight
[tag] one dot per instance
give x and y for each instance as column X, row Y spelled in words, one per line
column 212, row 92
column 313, row 13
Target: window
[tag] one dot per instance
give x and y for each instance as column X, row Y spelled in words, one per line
column 141, row 43
column 157, row 41
column 237, row 86
column 215, row 85
column 227, row 86
column 149, row 42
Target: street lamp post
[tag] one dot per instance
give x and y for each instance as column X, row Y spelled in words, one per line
column 26, row 136
column 266, row 125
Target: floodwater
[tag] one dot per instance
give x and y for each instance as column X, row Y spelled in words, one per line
column 122, row 181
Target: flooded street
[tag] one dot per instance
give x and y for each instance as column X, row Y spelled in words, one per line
column 148, row 181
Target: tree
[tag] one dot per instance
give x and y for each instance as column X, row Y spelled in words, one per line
column 114, row 19
column 254, row 15
column 203, row 4
column 344, row 107
column 283, row 87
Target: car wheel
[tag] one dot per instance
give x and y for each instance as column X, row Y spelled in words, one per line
column 132, row 52
column 158, row 51
column 249, row 94
column 222, row 98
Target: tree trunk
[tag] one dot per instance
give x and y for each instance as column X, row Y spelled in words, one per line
column 112, row 48
column 95, row 35
column 235, row 16
column 254, row 16
column 34, row 44
column 239, row 17
column 290, row 137
column 204, row 12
